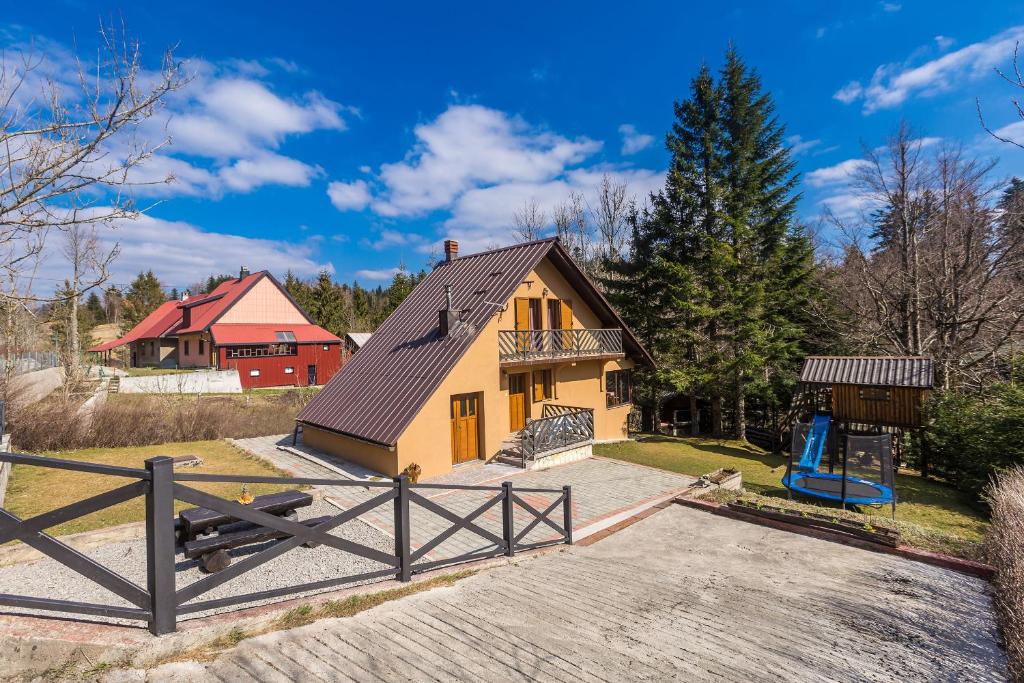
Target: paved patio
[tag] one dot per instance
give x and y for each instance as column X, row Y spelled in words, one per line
column 681, row 595
column 603, row 491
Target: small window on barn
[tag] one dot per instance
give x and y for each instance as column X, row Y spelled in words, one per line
column 254, row 373
column 186, row 347
column 284, row 336
column 875, row 394
column 289, row 371
column 327, row 347
column 202, row 348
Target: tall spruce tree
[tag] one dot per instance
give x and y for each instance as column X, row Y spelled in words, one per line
column 734, row 273
column 143, row 297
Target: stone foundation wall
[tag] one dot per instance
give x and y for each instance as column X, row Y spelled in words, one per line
column 573, row 454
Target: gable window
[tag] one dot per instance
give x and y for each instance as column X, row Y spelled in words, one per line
column 618, row 387
column 542, row 385
column 186, row 347
column 262, row 350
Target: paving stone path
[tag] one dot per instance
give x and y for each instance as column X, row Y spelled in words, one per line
column 601, row 490
column 681, row 595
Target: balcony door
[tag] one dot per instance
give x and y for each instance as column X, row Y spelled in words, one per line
column 560, row 318
column 518, row 404
column 528, row 319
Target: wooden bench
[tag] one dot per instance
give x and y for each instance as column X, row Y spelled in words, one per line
column 213, row 550
column 194, row 522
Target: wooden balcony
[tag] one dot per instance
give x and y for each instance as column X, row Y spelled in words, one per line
column 532, row 347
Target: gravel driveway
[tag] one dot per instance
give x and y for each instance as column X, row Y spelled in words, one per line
column 50, row 579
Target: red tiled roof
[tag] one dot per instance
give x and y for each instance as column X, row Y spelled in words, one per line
column 156, row 324
column 204, row 311
column 225, row 334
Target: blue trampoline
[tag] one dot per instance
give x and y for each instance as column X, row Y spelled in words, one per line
column 867, row 476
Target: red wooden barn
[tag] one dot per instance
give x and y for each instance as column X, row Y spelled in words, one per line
column 249, row 324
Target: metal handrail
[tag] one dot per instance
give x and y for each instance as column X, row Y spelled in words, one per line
column 556, row 431
column 571, row 343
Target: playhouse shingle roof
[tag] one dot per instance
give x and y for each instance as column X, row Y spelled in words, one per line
column 888, row 371
column 377, row 394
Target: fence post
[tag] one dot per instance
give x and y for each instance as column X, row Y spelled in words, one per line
column 507, row 528
column 567, row 513
column 402, row 551
column 160, row 545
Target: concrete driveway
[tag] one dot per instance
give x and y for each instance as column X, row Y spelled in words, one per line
column 681, row 595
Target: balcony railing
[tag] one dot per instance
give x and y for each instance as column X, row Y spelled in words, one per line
column 559, row 427
column 527, row 345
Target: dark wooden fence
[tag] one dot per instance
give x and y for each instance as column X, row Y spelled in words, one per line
column 160, row 602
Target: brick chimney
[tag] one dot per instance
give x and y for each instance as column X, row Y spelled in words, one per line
column 243, row 272
column 451, row 250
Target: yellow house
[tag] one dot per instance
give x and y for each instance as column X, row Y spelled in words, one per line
column 510, row 353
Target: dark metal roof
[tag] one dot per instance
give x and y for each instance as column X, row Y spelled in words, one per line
column 381, row 389
column 885, row 371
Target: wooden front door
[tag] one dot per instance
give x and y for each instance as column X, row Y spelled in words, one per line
column 465, row 428
column 518, row 407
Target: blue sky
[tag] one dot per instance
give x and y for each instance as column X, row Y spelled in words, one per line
column 353, row 136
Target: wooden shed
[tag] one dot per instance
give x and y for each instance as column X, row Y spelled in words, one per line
column 862, row 391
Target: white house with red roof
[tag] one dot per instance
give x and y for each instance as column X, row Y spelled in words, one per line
column 249, row 324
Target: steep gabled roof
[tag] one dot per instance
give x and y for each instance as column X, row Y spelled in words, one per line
column 203, row 311
column 378, row 393
column 156, row 324
column 882, row 371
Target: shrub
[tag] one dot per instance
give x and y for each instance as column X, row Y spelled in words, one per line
column 971, row 436
column 142, row 420
column 1004, row 547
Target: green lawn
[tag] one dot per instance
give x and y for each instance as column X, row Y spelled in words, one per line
column 34, row 490
column 923, row 502
column 150, row 372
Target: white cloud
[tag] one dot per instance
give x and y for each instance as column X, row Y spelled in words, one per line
column 632, row 140
column 944, row 42
column 225, row 125
column 820, row 33
column 267, row 169
column 891, row 6
column 381, row 274
column 893, row 84
column 393, row 238
column 478, row 165
column 468, row 146
column 797, row 145
column 849, row 92
column 352, row 196
column 483, row 217
column 839, row 173
column 1013, row 132
column 181, row 253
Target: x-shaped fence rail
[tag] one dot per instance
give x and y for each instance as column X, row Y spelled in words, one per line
column 161, row 601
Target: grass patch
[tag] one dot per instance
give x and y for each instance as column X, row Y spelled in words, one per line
column 307, row 614
column 925, row 503
column 34, row 490
column 912, row 534
column 152, row 372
